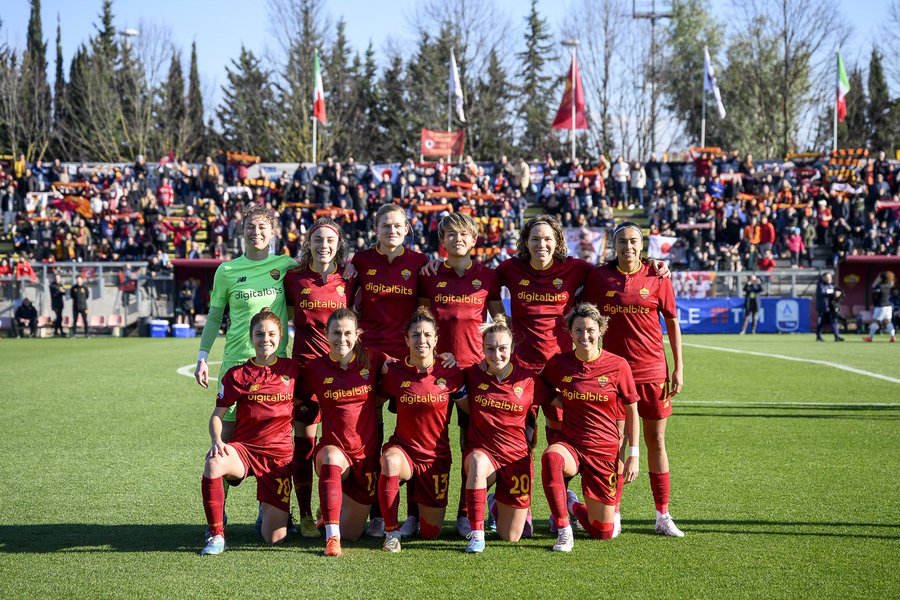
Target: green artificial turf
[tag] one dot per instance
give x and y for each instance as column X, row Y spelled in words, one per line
column 785, row 478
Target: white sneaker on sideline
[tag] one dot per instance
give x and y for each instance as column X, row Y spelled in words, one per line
column 666, row 526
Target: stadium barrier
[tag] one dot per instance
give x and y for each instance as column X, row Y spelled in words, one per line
column 725, row 315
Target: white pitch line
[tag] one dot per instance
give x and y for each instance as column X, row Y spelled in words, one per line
column 738, row 403
column 812, row 361
column 188, row 370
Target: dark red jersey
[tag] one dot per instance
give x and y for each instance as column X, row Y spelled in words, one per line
column 389, row 295
column 423, row 407
column 265, row 405
column 459, row 303
column 498, row 410
column 591, row 396
column 539, row 301
column 313, row 303
column 633, row 303
column 347, row 403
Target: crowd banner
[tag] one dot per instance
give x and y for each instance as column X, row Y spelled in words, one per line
column 660, row 246
column 586, row 243
column 442, row 143
column 725, row 315
column 694, row 284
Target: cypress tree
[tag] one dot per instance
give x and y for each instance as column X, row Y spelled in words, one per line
column 194, row 128
column 172, row 114
column 247, row 107
column 534, row 106
column 35, row 114
column 881, row 114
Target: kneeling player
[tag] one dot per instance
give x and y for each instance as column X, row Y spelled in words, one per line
column 263, row 391
column 592, row 384
column 343, row 383
column 502, row 397
column 419, row 449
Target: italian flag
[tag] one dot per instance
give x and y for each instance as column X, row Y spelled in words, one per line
column 319, row 93
column 843, row 88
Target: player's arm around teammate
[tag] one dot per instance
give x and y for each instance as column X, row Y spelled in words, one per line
column 261, row 446
column 592, row 384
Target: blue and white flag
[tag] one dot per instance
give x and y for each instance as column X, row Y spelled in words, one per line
column 709, row 82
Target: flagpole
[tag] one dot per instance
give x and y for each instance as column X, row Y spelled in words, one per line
column 449, row 115
column 703, row 103
column 314, row 148
column 837, row 78
column 572, row 43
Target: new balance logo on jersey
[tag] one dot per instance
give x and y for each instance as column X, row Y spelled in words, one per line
column 305, row 291
column 610, row 294
column 442, row 284
column 524, row 283
column 242, row 280
column 483, row 386
column 328, row 380
column 404, row 384
column 567, row 379
column 371, row 272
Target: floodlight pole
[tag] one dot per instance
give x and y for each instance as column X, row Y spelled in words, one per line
column 653, row 16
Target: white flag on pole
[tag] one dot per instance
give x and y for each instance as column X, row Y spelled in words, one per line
column 709, row 82
column 456, row 88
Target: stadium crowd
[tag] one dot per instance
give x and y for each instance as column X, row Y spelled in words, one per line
column 723, row 211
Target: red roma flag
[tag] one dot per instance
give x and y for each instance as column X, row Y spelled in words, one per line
column 563, row 118
column 442, row 143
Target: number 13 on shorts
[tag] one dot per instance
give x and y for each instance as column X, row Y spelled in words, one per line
column 440, row 485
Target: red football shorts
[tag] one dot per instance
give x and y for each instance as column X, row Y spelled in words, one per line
column 655, row 401
column 273, row 477
column 598, row 476
column 514, row 480
column 430, row 479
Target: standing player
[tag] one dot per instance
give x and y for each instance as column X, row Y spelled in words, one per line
column 633, row 298
column 883, row 314
column 343, row 385
column 262, row 390
column 388, row 284
column 314, row 290
column 245, row 285
column 595, row 387
column 460, row 295
column 419, row 449
column 502, row 397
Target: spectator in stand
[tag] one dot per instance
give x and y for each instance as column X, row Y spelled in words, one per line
column 57, row 303
column 209, row 178
column 79, row 294
column 842, row 248
column 620, row 175
column 767, row 235
column 9, row 203
column 638, row 178
column 25, row 317
column 767, row 262
column 796, row 247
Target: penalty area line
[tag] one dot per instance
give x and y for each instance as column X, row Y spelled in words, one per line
column 812, row 361
column 188, row 370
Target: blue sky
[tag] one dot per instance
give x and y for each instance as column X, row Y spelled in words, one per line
column 220, row 26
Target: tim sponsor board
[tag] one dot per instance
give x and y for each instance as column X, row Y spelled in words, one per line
column 725, row 315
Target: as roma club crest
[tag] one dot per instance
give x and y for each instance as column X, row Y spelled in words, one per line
column 275, row 274
column 254, row 387
column 603, row 380
column 340, row 290
column 441, row 383
column 557, row 283
column 644, row 293
column 285, row 379
column 364, row 373
column 476, row 283
column 406, row 274
column 518, row 391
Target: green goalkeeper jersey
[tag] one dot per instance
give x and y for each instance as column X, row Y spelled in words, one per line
column 246, row 286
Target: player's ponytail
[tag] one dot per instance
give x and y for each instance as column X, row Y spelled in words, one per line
column 359, row 353
column 266, row 314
